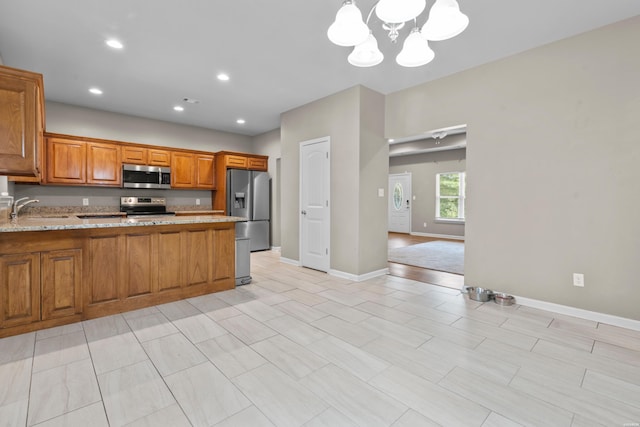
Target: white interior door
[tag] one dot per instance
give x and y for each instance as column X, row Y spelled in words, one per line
column 400, row 202
column 315, row 227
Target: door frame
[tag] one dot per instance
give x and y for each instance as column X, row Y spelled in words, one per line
column 327, row 223
column 410, row 196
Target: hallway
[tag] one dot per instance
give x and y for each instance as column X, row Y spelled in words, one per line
column 441, row 278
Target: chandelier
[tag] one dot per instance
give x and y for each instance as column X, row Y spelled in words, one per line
column 445, row 21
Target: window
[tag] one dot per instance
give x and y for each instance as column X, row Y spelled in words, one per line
column 450, row 196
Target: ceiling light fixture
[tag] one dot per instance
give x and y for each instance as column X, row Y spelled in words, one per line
column 445, row 21
column 95, row 91
column 240, row 121
column 223, row 77
column 114, row 44
column 178, row 108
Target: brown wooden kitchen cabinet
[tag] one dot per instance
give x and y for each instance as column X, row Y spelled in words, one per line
column 21, row 122
column 137, row 155
column 20, row 289
column 192, row 170
column 205, row 176
column 159, row 157
column 61, row 278
column 66, row 161
column 104, row 166
column 182, row 170
column 78, row 162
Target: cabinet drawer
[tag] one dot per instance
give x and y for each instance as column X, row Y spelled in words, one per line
column 232, row 161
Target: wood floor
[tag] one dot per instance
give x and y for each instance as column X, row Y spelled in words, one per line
column 440, row 278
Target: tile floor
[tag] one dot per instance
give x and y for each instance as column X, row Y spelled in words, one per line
column 300, row 348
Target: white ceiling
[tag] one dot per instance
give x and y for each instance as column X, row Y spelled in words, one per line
column 276, row 51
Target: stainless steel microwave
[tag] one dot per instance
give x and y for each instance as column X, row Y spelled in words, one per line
column 141, row 176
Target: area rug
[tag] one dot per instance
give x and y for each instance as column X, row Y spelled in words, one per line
column 437, row 255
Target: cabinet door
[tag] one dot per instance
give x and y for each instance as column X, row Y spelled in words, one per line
column 224, row 254
column 257, row 163
column 238, row 162
column 170, row 273
column 104, row 166
column 21, row 122
column 61, row 278
column 204, row 172
column 135, row 155
column 182, row 170
column 140, row 266
column 66, row 161
column 159, row 157
column 104, row 268
column 198, row 257
column 19, row 289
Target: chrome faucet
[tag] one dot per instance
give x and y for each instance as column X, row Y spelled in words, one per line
column 17, row 206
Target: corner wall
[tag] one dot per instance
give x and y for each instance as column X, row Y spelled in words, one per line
column 359, row 165
column 552, row 165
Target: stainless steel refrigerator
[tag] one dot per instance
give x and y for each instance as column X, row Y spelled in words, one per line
column 248, row 196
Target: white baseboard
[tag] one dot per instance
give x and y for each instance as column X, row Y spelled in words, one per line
column 609, row 319
column 359, row 277
column 276, row 248
column 290, row 261
column 438, row 236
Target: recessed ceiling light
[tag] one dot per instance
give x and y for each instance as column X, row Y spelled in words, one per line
column 114, row 44
column 95, row 91
column 391, row 140
column 222, row 76
column 178, row 108
column 240, row 121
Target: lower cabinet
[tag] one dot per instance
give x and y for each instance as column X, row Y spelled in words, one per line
column 40, row 286
column 61, row 279
column 20, row 278
column 137, row 267
column 54, row 278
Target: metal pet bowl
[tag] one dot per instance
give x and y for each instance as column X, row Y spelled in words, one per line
column 479, row 294
column 502, row 298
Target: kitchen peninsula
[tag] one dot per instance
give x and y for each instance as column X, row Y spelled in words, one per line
column 64, row 269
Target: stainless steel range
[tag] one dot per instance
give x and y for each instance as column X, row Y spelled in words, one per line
column 144, row 206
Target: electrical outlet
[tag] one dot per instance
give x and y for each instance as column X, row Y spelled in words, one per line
column 424, row 225
column 85, row 202
column 578, row 279
column 197, row 202
column 380, row 192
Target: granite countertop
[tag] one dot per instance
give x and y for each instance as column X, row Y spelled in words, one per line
column 73, row 222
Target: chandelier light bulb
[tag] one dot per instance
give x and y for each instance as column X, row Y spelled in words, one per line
column 366, row 54
column 415, row 51
column 397, row 11
column 445, row 21
column 348, row 29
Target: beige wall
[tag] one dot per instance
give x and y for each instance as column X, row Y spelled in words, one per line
column 424, row 168
column 268, row 144
column 358, row 153
column 73, row 120
column 552, row 164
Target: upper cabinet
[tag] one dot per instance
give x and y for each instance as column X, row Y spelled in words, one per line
column 252, row 162
column 104, row 166
column 137, row 155
column 192, row 170
column 21, row 122
column 78, row 162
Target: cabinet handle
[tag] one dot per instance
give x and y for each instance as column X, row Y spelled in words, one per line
column 303, row 212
